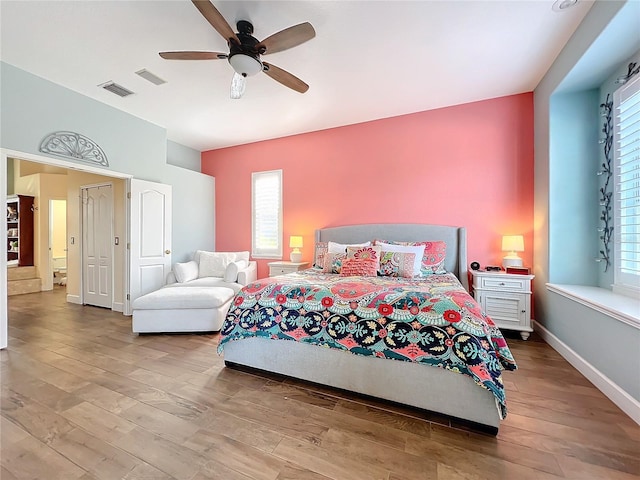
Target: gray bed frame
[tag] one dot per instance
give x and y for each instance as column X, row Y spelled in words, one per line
column 429, row 388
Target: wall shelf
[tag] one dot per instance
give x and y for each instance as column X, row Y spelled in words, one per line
column 20, row 230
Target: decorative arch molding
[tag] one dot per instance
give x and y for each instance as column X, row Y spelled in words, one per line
column 74, row 145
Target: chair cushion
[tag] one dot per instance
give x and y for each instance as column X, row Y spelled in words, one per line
column 186, row 298
column 206, row 282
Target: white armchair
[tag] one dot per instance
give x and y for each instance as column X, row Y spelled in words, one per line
column 214, row 269
column 213, row 279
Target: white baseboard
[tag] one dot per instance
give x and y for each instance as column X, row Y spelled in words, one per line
column 74, row 299
column 617, row 395
column 117, row 306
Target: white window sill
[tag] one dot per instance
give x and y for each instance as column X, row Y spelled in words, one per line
column 620, row 307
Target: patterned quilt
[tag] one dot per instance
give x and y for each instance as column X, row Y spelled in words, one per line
column 430, row 320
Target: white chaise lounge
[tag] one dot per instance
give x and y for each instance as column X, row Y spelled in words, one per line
column 197, row 296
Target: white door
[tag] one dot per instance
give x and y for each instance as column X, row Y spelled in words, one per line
column 97, row 255
column 150, row 237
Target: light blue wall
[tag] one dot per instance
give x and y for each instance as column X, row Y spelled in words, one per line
column 32, row 108
column 606, row 37
column 608, row 344
column 573, row 187
column 193, row 213
column 184, row 157
column 605, row 278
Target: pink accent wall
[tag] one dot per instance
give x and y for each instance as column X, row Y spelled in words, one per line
column 468, row 165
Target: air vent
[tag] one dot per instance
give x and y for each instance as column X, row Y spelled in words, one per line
column 117, row 89
column 150, row 77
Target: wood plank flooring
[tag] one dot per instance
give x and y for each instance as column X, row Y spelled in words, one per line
column 84, row 398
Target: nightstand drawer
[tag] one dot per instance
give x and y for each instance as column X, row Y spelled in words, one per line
column 282, row 268
column 512, row 284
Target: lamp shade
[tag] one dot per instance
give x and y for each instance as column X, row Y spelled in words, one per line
column 295, row 241
column 513, row 243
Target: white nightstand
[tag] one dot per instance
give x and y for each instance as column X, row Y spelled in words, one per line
column 280, row 268
column 506, row 298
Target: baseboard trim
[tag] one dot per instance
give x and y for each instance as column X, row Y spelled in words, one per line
column 74, row 299
column 117, row 306
column 617, row 395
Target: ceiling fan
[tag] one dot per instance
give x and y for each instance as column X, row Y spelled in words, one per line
column 245, row 50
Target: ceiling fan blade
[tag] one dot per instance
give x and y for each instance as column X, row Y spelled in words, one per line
column 287, row 38
column 217, row 21
column 285, row 78
column 193, row 55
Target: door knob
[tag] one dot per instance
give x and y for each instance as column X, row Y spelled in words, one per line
column 167, row 252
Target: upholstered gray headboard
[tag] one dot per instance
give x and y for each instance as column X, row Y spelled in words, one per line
column 454, row 237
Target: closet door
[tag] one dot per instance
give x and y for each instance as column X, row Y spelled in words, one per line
column 97, row 249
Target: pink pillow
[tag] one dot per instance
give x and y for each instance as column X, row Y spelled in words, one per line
column 433, row 258
column 321, row 250
column 397, row 264
column 364, row 253
column 333, row 262
column 363, row 267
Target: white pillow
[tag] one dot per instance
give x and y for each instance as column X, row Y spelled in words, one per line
column 242, row 256
column 214, row 264
column 418, row 250
column 231, row 272
column 185, row 272
column 335, row 247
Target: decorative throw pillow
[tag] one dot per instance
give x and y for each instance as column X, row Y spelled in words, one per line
column 244, row 255
column 365, row 252
column 397, row 264
column 417, row 250
column 333, row 262
column 231, row 272
column 432, row 258
column 364, row 267
column 321, row 250
column 185, row 272
column 214, row 264
column 335, row 247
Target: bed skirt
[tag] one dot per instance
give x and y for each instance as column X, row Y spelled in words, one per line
column 421, row 386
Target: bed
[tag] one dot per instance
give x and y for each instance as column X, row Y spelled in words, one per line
column 378, row 336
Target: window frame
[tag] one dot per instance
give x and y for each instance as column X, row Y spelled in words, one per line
column 258, row 251
column 624, row 283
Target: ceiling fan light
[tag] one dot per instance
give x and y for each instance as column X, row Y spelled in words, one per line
column 245, row 64
column 238, row 85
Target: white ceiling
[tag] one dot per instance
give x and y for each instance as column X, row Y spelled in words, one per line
column 369, row 59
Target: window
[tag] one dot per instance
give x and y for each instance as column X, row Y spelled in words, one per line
column 266, row 214
column 626, row 158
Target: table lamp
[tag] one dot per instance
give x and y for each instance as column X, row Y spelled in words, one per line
column 512, row 244
column 295, row 242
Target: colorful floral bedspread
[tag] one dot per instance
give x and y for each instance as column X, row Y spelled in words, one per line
column 430, row 320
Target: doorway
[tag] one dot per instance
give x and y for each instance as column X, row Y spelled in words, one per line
column 58, row 241
column 81, row 175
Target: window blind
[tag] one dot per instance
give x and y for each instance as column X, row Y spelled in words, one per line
column 267, row 214
column 627, row 187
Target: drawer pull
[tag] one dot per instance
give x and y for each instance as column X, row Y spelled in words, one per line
column 502, row 283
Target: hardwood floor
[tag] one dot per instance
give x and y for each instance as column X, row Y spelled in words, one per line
column 84, row 398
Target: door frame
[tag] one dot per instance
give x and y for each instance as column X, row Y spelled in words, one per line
column 5, row 154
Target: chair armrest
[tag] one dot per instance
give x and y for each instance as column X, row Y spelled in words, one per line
column 248, row 275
